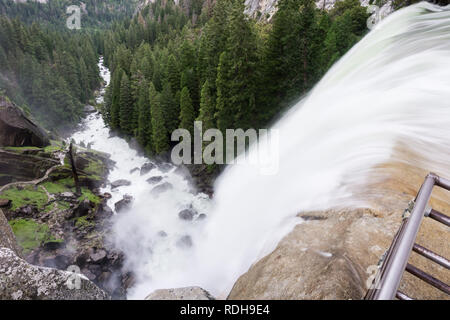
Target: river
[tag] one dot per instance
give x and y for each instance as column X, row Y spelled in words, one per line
column 390, row 91
column 151, row 234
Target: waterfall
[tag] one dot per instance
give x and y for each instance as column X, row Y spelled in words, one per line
column 390, row 92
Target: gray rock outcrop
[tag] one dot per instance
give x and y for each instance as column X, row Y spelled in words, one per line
column 20, row 280
column 17, row 130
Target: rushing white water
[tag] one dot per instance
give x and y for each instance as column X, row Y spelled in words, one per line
column 392, row 89
column 151, row 234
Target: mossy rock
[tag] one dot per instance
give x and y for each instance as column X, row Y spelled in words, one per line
column 29, row 195
column 30, row 234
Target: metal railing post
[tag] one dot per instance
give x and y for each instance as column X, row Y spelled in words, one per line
column 402, row 249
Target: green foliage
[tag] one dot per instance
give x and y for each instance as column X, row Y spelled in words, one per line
column 126, row 106
column 30, row 234
column 170, row 108
column 83, row 223
column 159, row 131
column 25, row 196
column 50, row 73
column 144, row 133
column 222, row 68
column 99, row 13
column 207, row 107
column 54, row 188
column 187, row 113
column 89, row 195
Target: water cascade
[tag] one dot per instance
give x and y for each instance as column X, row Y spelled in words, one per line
column 392, row 90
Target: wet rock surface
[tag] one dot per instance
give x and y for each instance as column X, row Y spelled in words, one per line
column 123, row 204
column 154, row 180
column 161, row 188
column 146, row 168
column 187, row 214
column 120, row 183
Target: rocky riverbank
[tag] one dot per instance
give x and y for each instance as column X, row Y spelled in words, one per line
column 54, row 226
column 57, row 228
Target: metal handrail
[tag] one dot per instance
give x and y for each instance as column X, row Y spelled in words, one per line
column 396, row 260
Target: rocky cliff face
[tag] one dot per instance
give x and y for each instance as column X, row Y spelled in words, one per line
column 333, row 254
column 16, row 130
column 261, row 9
column 265, row 9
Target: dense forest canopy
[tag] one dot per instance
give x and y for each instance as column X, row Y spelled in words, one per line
column 95, row 13
column 51, row 74
column 173, row 64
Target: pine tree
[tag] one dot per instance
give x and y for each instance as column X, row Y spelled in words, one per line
column 213, row 42
column 144, row 132
column 207, row 107
column 292, row 56
column 115, row 99
column 173, row 75
column 126, row 106
column 237, row 74
column 159, row 132
column 187, row 113
column 170, row 108
column 84, row 82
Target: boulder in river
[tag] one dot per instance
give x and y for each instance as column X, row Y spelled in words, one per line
column 89, row 109
column 187, row 214
column 163, row 187
column 147, row 167
column 120, row 183
column 123, row 204
column 154, row 180
column 165, row 167
column 134, row 170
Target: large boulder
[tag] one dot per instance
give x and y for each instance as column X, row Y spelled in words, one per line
column 333, row 254
column 124, row 204
column 188, row 293
column 20, row 280
column 16, row 129
column 23, row 167
column 120, row 183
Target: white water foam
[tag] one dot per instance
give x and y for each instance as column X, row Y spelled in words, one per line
column 392, row 88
